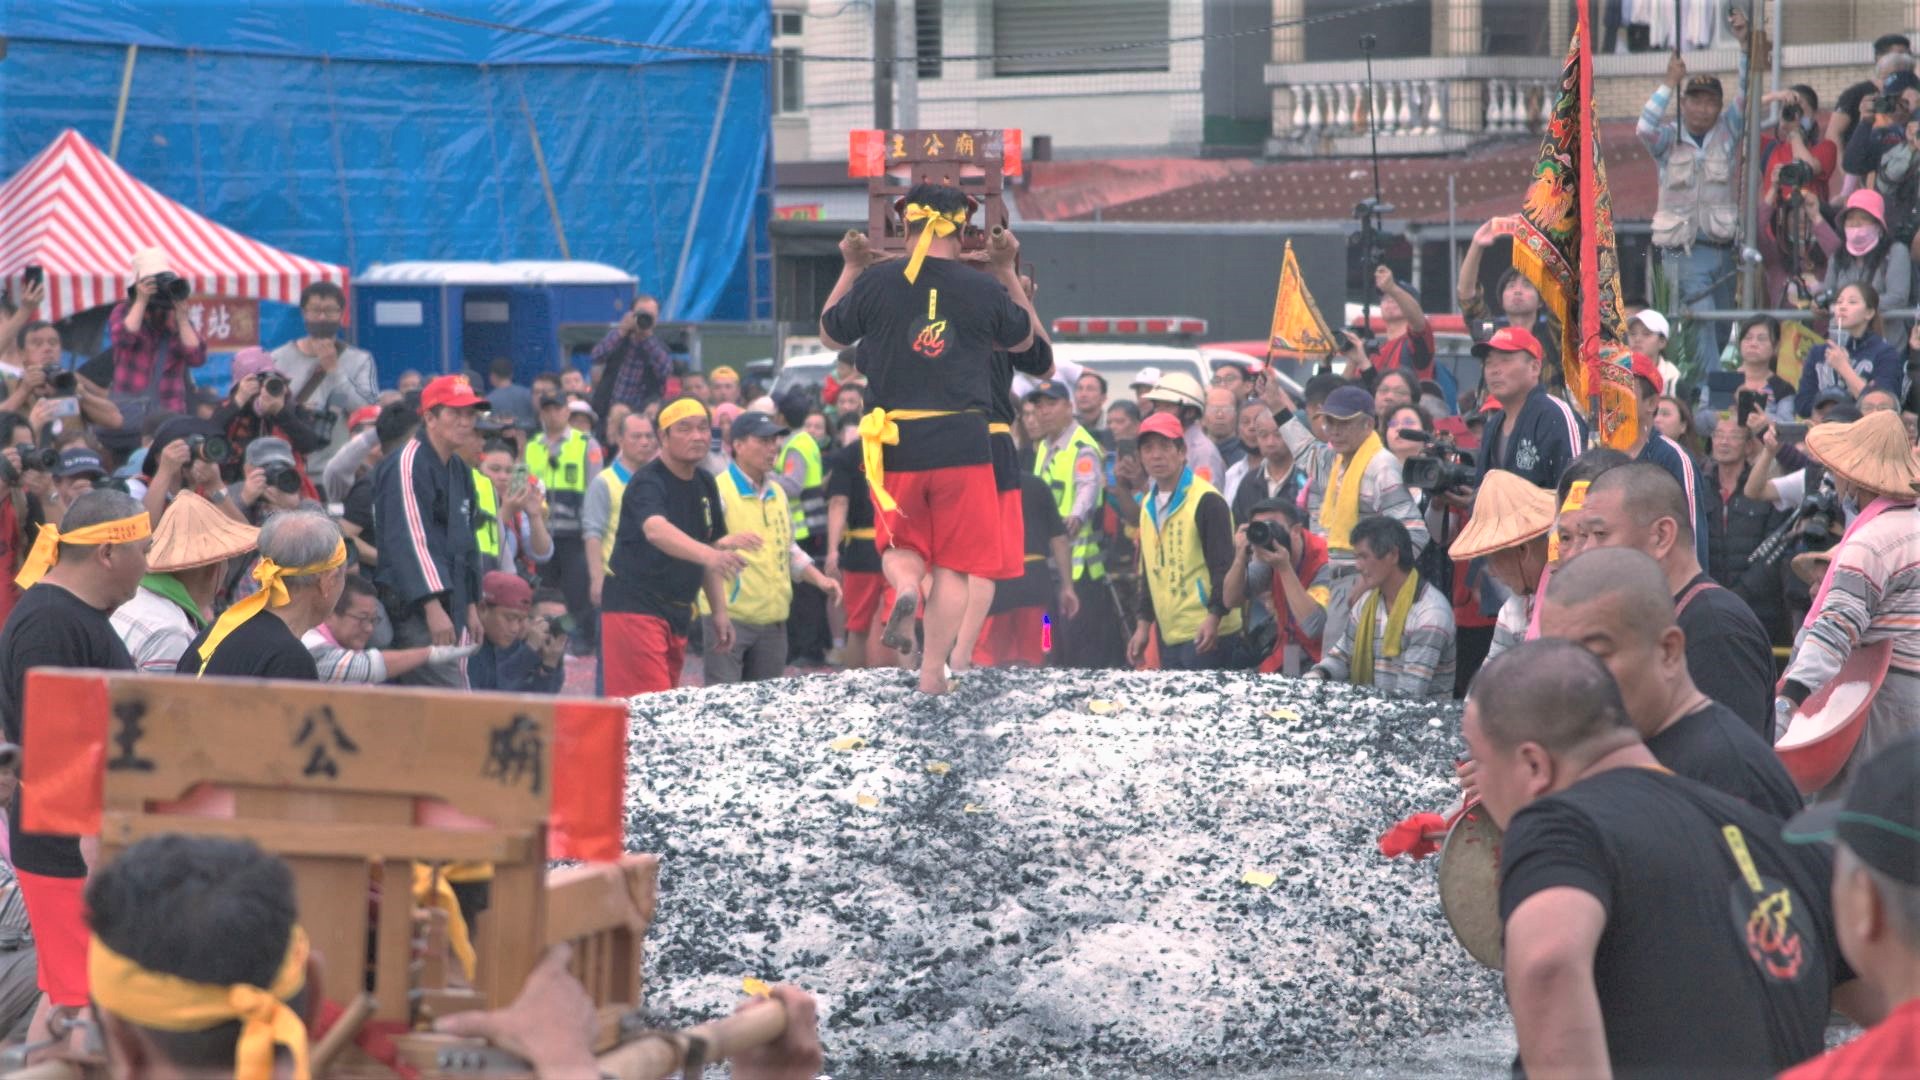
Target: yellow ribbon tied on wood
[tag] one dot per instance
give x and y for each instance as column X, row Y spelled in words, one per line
column 433, row 890
column 170, row 1003
column 272, row 593
column 937, row 224
column 46, row 547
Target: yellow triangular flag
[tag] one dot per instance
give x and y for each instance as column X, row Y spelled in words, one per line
column 1796, row 338
column 1299, row 331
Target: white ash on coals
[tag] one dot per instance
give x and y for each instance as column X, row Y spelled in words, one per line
column 1053, row 872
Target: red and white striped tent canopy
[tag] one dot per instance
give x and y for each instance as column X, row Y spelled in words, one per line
column 80, row 216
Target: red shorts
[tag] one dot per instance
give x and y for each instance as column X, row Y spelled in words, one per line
column 56, row 909
column 862, row 595
column 1012, row 637
column 938, row 517
column 1013, row 538
column 643, row 655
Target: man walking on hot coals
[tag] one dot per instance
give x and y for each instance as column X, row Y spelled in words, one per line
column 931, row 330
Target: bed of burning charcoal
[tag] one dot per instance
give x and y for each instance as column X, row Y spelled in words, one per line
column 1058, row 873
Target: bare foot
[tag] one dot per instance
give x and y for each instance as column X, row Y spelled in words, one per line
column 899, row 630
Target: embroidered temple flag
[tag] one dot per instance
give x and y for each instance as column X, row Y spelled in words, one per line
column 1563, row 242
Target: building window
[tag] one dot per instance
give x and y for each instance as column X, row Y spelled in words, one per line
column 789, row 71
column 927, row 38
column 1035, row 26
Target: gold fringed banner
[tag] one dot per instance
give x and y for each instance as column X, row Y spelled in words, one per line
column 1298, row 330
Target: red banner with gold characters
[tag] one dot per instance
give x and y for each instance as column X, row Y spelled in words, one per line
column 1563, row 242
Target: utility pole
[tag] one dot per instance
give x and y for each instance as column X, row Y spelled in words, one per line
column 906, row 73
column 883, row 42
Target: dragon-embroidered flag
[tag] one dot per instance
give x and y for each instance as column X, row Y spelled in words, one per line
column 1563, row 242
column 1298, row 330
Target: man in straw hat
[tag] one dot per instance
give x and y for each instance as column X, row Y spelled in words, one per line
column 1511, row 520
column 185, row 567
column 301, row 571
column 1615, row 882
column 77, row 573
column 927, row 333
column 1871, row 591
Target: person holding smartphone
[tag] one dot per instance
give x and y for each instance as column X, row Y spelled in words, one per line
column 1854, row 356
column 43, row 392
column 1761, row 387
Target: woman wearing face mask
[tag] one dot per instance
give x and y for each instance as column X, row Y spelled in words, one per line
column 1869, row 253
column 1855, row 357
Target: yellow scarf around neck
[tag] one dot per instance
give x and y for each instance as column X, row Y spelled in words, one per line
column 1363, row 648
column 1340, row 510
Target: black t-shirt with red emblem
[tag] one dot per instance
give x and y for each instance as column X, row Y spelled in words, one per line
column 928, row 344
column 1719, row 955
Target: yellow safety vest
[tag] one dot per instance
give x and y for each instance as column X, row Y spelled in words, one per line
column 1057, row 471
column 1176, row 566
column 810, row 512
column 487, row 514
column 564, row 478
column 762, row 594
column 617, row 488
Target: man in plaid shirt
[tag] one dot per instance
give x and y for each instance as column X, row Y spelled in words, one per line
column 152, row 340
column 1393, row 642
column 634, row 365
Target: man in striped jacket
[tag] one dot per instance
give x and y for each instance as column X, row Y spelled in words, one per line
column 429, row 571
column 1532, row 433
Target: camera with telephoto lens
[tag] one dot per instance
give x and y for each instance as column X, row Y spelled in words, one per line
column 169, row 289
column 1791, row 113
column 212, row 449
column 1820, row 515
column 1441, row 467
column 1794, row 174
column 37, row 458
column 1271, row 535
column 274, row 386
column 63, row 383
column 283, row 478
column 642, row 320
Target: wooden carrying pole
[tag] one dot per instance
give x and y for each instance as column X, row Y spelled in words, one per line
column 653, row 1057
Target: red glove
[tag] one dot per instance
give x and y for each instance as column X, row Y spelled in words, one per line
column 1409, row 837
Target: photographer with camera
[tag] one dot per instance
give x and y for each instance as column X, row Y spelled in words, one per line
column 513, row 657
column 186, row 454
column 69, row 393
column 272, row 481
column 155, row 348
column 634, row 365
column 1890, row 110
column 1282, row 567
column 260, row 405
column 1797, row 139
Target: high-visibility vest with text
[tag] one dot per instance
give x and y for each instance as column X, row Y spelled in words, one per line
column 1175, row 564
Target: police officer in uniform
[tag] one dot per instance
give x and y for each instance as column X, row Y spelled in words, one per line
column 1070, row 462
column 565, row 461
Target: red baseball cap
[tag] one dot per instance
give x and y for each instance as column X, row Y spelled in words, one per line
column 1649, row 369
column 1164, row 424
column 366, row 414
column 453, row 391
column 1510, row 339
column 500, row 588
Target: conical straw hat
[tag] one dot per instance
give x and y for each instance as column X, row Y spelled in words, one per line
column 193, row 532
column 1507, row 511
column 1873, row 452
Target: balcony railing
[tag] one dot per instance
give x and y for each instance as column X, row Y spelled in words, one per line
column 1418, row 105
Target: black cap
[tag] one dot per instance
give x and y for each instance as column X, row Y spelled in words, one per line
column 1050, row 388
column 1900, row 82
column 1703, row 84
column 749, row 424
column 79, row 461
column 1878, row 817
column 548, row 401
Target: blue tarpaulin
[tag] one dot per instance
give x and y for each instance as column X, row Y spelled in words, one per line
column 359, row 135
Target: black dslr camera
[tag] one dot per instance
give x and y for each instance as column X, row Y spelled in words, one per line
column 37, row 458
column 1794, row 174
column 212, row 449
column 1791, row 113
column 1441, row 467
column 169, row 289
column 274, row 386
column 63, row 383
column 283, row 478
column 1271, row 535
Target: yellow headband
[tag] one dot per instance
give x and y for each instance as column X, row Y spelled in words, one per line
column 170, row 1003
column 1576, row 498
column 46, row 548
column 938, row 224
column 272, row 593
column 723, row 373
column 681, row 410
